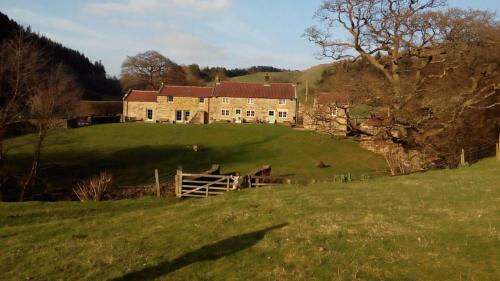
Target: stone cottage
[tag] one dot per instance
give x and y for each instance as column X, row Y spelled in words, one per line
column 226, row 102
column 254, row 103
column 328, row 114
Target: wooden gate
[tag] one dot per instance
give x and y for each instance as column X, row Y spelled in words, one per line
column 200, row 185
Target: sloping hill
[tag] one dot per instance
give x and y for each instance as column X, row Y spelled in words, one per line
column 132, row 152
column 441, row 225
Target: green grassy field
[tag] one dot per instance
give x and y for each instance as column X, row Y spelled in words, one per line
column 131, row 152
column 441, row 225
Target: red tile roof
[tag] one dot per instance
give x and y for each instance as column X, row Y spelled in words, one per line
column 186, row 91
column 141, row 96
column 250, row 90
column 326, row 98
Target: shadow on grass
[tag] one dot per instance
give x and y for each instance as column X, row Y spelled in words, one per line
column 206, row 253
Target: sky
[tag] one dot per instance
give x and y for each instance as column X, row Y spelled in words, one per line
column 229, row 33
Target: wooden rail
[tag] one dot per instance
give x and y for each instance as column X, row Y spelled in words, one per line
column 200, row 185
column 260, row 181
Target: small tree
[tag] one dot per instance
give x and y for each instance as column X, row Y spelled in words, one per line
column 55, row 99
column 20, row 66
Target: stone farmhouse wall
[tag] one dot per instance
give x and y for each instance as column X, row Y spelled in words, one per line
column 138, row 110
column 259, row 106
column 167, row 110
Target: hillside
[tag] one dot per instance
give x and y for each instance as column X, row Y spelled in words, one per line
column 132, row 152
column 90, row 75
column 441, row 225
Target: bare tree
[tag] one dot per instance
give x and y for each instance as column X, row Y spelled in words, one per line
column 55, row 99
column 396, row 28
column 20, row 64
column 419, row 51
column 148, row 69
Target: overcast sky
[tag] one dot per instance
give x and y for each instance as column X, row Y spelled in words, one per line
column 230, row 33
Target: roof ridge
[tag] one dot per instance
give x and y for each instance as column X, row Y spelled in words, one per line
column 255, row 83
column 201, row 87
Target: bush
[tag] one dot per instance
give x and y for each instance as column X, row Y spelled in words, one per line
column 94, row 188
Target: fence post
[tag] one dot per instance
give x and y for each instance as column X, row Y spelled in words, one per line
column 178, row 182
column 462, row 158
column 157, row 181
column 227, row 184
column 498, row 148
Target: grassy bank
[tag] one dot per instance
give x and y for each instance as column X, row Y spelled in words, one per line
column 441, row 225
column 132, row 151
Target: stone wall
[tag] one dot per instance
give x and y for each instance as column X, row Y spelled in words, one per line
column 323, row 122
column 167, row 110
column 138, row 110
column 260, row 107
column 401, row 160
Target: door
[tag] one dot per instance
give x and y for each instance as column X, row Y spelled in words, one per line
column 187, row 115
column 271, row 117
column 178, row 116
column 237, row 116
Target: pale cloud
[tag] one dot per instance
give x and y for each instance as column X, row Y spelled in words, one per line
column 57, row 23
column 145, row 6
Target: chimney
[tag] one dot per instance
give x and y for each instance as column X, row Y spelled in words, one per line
column 267, row 78
column 217, row 79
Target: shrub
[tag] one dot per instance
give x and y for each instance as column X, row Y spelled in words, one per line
column 94, row 188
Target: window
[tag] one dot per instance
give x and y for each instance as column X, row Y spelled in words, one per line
column 271, row 113
column 202, row 100
column 282, row 114
column 282, row 101
column 250, row 113
column 187, row 114
column 178, row 115
column 150, row 114
column 237, row 111
column 225, row 100
column 225, row 113
column 170, row 99
column 251, row 101
column 333, row 111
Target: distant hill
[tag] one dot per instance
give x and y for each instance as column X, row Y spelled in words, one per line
column 91, row 75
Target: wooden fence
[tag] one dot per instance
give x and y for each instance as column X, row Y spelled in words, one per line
column 200, row 185
column 260, row 181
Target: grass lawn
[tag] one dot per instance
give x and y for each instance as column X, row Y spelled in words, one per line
column 132, row 152
column 441, row 225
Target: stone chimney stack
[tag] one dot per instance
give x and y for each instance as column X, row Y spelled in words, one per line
column 267, row 78
column 217, row 79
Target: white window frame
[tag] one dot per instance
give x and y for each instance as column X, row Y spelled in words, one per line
column 334, row 111
column 225, row 113
column 251, row 101
column 201, row 100
column 282, row 101
column 250, row 114
column 281, row 115
column 170, row 99
column 225, row 100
